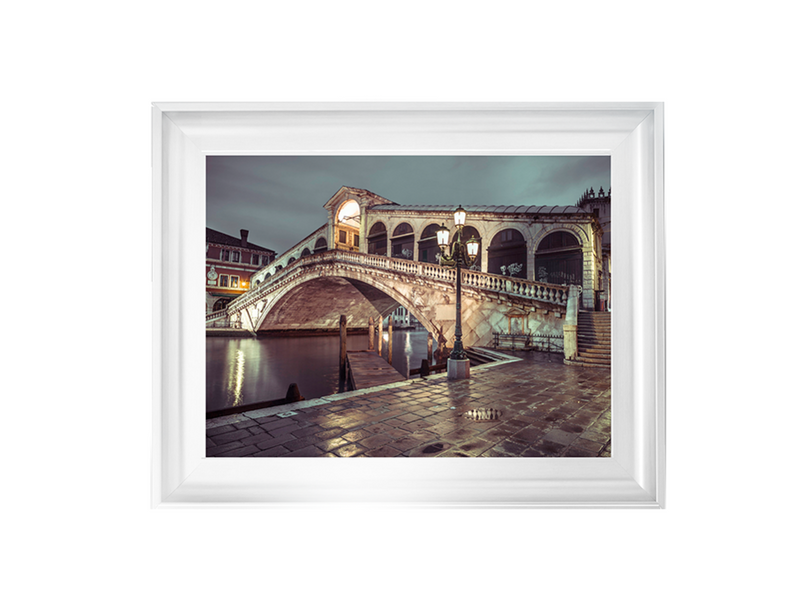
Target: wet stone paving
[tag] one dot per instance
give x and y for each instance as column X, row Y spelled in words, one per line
column 547, row 409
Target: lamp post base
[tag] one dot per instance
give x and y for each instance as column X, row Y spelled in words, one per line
column 457, row 369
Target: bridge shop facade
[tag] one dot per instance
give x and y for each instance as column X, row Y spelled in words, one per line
column 559, row 245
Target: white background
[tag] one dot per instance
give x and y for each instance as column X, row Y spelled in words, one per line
column 79, row 79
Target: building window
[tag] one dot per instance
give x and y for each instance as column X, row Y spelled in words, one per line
column 342, row 236
column 235, row 256
column 357, row 240
column 224, row 280
column 225, row 255
column 265, row 260
column 255, row 259
column 233, row 281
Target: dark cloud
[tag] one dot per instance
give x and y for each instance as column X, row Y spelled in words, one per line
column 280, row 199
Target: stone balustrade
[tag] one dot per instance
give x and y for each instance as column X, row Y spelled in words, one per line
column 537, row 291
column 216, row 315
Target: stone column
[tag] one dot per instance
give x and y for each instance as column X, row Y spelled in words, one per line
column 363, row 246
column 331, row 230
column 570, row 342
column 531, row 262
column 571, row 325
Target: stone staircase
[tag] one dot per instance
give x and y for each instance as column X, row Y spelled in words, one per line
column 594, row 339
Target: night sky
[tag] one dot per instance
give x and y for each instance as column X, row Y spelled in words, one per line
column 279, row 200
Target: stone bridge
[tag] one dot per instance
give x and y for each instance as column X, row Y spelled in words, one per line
column 312, row 292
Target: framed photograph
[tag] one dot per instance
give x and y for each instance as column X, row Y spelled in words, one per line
column 562, row 310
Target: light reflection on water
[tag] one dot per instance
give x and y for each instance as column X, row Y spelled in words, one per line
column 246, row 370
column 234, row 388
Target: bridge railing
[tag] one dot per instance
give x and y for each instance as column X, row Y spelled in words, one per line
column 216, row 315
column 555, row 294
column 538, row 291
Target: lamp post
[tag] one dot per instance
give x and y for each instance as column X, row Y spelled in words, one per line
column 457, row 363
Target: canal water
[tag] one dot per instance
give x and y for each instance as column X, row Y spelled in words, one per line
column 246, row 370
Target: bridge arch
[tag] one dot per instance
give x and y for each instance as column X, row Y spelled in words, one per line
column 367, row 286
column 394, row 297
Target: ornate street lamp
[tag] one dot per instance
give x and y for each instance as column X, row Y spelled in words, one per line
column 461, row 253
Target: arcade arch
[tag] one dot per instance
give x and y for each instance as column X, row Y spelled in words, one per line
column 347, row 229
column 508, row 253
column 320, row 245
column 378, row 239
column 402, row 241
column 220, row 304
column 558, row 259
column 428, row 244
column 468, row 233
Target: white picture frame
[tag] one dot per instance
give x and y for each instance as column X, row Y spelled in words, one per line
column 631, row 133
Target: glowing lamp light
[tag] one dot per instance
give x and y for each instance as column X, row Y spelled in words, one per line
column 443, row 237
column 460, row 216
column 472, row 247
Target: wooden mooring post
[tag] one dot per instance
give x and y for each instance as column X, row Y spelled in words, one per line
column 371, row 334
column 390, row 339
column 429, row 347
column 342, row 372
column 379, row 335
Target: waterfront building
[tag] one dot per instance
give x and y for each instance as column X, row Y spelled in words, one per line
column 230, row 265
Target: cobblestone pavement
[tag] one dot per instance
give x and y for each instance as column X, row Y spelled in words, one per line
column 548, row 409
